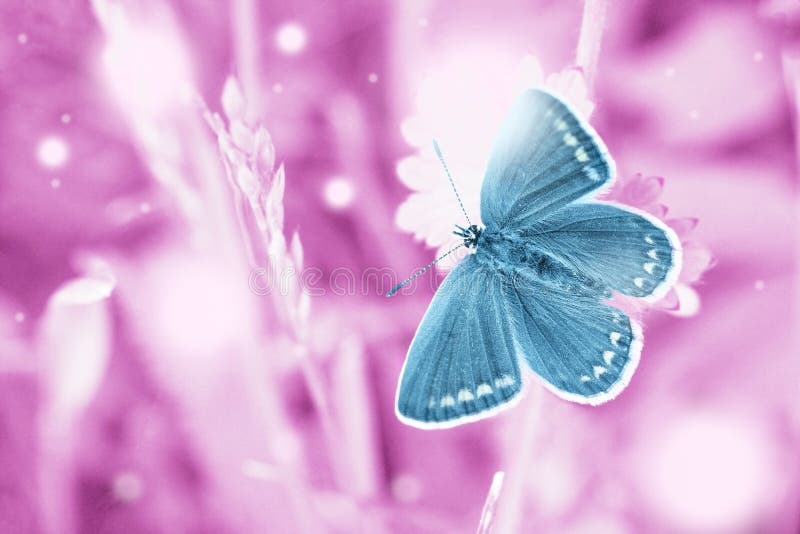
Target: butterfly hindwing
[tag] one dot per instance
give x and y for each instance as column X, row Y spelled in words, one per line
column 628, row 251
column 462, row 364
column 584, row 350
column 544, row 157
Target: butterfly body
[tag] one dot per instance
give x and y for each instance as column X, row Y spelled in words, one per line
column 515, row 257
column 471, row 235
column 534, row 291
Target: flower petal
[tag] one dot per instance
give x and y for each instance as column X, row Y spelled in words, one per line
column 689, row 301
column 670, row 302
column 696, row 260
column 571, row 85
column 645, row 190
column 418, row 173
column 659, row 210
column 684, row 226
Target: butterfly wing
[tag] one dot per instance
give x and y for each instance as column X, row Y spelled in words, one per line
column 462, row 364
column 544, row 157
column 624, row 249
column 584, row 350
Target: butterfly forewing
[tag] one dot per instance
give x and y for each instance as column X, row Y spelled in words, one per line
column 544, row 157
column 462, row 364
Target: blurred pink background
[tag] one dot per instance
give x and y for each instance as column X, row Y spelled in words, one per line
column 203, row 202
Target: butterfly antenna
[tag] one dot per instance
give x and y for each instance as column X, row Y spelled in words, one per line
column 396, row 288
column 450, row 177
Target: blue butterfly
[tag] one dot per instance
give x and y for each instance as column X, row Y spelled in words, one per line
column 534, row 287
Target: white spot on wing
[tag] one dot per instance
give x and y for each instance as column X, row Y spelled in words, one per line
column 638, row 282
column 648, row 240
column 591, row 174
column 447, row 400
column 483, row 389
column 581, row 155
column 649, row 266
column 608, row 356
column 598, row 370
column 614, row 337
column 465, row 395
column 652, row 253
column 570, row 140
column 432, row 403
column 504, row 381
column 585, row 378
column 560, row 124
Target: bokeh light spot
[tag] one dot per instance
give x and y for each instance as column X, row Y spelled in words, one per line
column 19, row 317
column 372, row 78
column 52, row 151
column 709, row 472
column 291, row 38
column 127, row 486
column 22, row 38
column 339, row 193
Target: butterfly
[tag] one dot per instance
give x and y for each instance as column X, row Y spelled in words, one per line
column 534, row 290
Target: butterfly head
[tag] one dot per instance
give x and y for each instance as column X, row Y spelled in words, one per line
column 470, row 235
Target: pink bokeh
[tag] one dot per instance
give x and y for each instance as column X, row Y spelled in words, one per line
column 203, row 204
